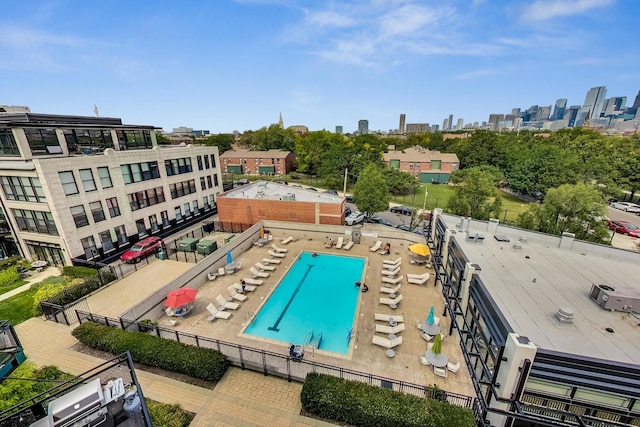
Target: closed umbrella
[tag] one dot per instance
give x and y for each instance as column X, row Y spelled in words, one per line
column 181, row 296
column 262, row 232
column 431, row 317
column 420, row 249
column 229, row 258
column 437, row 344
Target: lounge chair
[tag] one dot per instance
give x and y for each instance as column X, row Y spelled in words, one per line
column 212, row 275
column 391, row 261
column 385, row 342
column 247, row 288
column 423, row 360
column 257, row 273
column 348, row 245
column 265, row 267
column 224, row 304
column 425, row 336
column 270, row 261
column 453, row 367
column 386, row 329
column 221, row 271
column 391, row 302
column 216, row 314
column 393, row 281
column 287, row 240
column 168, row 311
column 436, row 321
column 340, row 242
column 391, row 266
column 275, row 254
column 418, row 276
column 386, row 317
column 279, row 250
column 376, row 246
column 233, row 292
column 418, row 281
column 391, row 272
column 391, row 290
column 250, row 281
column 328, row 243
column 441, row 372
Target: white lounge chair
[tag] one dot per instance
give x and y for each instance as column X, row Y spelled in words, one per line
column 391, row 302
column 279, row 250
column 168, row 311
column 271, row 261
column 376, row 246
column 287, row 240
column 436, row 321
column 391, row 266
column 250, row 281
column 393, row 290
column 233, row 292
column 212, row 275
column 423, row 360
column 418, row 281
column 216, row 314
column 386, row 317
column 348, row 245
column 385, row 342
column 386, row 329
column 340, row 242
column 265, row 267
column 393, row 281
column 418, row 276
column 275, row 254
column 257, row 273
column 391, row 272
column 441, row 372
column 391, row 261
column 224, row 304
column 221, row 271
column 247, row 288
column 453, row 367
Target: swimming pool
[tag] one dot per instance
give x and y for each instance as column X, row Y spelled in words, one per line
column 317, row 295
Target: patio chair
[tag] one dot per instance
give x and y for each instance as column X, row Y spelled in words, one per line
column 247, row 288
column 418, row 276
column 376, row 246
column 392, row 280
column 340, row 242
column 391, row 261
column 418, row 281
column 275, row 254
column 391, row 290
column 212, row 275
column 279, row 250
column 441, row 372
column 348, row 245
column 391, row 302
column 453, row 367
column 436, row 320
column 391, row 266
column 168, row 311
column 391, row 272
column 250, row 281
column 386, row 329
column 257, row 273
column 425, row 336
column 265, row 267
column 233, row 292
column 216, row 314
column 221, row 271
column 423, row 360
column 287, row 240
column 271, row 261
column 224, row 304
column 385, row 342
column 329, row 243
column 386, row 317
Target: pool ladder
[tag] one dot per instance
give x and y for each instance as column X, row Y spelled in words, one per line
column 249, row 316
column 353, row 335
column 312, row 341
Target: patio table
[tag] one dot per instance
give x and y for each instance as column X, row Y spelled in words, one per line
column 430, row 328
column 437, row 360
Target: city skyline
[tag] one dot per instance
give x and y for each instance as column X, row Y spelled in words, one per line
column 235, row 65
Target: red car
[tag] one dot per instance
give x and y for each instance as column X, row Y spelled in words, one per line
column 142, row 249
column 624, row 227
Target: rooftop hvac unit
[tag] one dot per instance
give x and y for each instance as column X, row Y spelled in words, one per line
column 289, row 196
column 616, row 298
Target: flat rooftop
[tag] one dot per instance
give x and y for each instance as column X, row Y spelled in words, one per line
column 273, row 191
column 529, row 283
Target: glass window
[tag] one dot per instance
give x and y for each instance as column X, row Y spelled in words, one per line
column 206, row 162
column 199, row 161
column 89, row 245
column 196, row 210
column 112, row 206
column 86, row 176
column 134, row 139
column 205, row 202
column 215, row 180
column 153, row 222
column 105, row 240
column 183, row 188
column 137, row 172
column 68, row 183
column 79, row 216
column 96, row 211
column 141, row 227
column 35, row 221
column 178, row 213
column 187, row 209
column 203, row 183
column 23, row 188
column 121, row 234
column 213, row 161
column 105, row 177
column 164, row 217
column 142, row 199
column 43, row 141
column 8, row 146
column 209, row 183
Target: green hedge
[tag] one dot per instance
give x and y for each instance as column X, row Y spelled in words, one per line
column 90, row 284
column 78, row 272
column 13, row 261
column 360, row 404
column 150, row 350
column 9, row 276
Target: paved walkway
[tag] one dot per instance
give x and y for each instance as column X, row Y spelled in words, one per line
column 38, row 277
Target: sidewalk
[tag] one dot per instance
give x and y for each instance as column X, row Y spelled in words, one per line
column 38, row 277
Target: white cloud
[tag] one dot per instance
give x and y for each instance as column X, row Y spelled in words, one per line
column 327, row 18
column 542, row 10
column 483, row 72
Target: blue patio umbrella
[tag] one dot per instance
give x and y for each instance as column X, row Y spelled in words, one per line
column 430, row 319
column 230, row 259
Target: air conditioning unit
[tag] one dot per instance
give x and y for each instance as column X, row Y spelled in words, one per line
column 616, row 298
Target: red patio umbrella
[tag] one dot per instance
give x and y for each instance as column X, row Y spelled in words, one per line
column 181, row 296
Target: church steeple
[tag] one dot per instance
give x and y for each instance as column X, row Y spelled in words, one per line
column 280, row 121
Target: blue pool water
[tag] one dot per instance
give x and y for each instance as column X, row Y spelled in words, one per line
column 317, row 294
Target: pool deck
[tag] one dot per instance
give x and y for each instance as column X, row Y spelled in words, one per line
column 363, row 355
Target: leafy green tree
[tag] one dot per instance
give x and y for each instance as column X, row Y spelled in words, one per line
column 223, row 141
column 13, row 392
column 162, row 140
column 476, row 196
column 371, row 192
column 399, row 182
column 626, row 161
column 311, row 149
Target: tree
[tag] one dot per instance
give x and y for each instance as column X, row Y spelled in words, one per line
column 474, row 195
column 399, row 182
column 162, row 140
column 223, row 141
column 371, row 192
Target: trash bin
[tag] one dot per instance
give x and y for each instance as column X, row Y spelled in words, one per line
column 207, row 226
column 207, row 247
column 162, row 254
column 188, row 245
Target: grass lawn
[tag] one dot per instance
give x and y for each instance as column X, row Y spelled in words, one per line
column 5, row 289
column 19, row 308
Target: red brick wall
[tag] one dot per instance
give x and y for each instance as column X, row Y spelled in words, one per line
column 286, row 164
column 250, row 211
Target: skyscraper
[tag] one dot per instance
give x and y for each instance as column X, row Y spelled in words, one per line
column 401, row 126
column 339, row 129
column 460, row 124
column 445, row 125
column 494, row 120
column 593, row 104
column 450, row 122
column 636, row 103
column 363, row 127
column 558, row 110
column 571, row 114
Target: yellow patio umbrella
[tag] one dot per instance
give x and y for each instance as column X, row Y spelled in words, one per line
column 420, row 249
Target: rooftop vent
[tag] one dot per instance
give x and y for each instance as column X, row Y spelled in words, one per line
column 565, row 315
column 615, row 298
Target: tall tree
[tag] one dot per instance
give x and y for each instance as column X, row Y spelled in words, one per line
column 223, row 141
column 476, row 196
column 371, row 192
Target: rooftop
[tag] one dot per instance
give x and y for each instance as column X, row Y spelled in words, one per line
column 420, row 154
column 274, row 191
column 531, row 281
column 28, row 119
column 249, row 154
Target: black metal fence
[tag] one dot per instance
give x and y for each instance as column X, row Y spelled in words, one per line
column 275, row 364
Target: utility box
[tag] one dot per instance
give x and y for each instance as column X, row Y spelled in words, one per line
column 207, row 226
column 188, row 245
column 207, row 247
column 356, row 234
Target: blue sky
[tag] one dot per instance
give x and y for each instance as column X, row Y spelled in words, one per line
column 235, row 65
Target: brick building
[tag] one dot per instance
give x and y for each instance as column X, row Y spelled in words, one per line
column 247, row 162
column 268, row 200
column 426, row 165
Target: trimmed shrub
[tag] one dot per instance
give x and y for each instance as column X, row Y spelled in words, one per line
column 360, row 404
column 9, row 276
column 78, row 272
column 166, row 415
column 150, row 350
column 13, row 261
column 46, row 292
column 90, row 284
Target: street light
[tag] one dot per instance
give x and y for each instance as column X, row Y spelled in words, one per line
column 426, row 193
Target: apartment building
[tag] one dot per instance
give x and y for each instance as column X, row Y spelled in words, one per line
column 90, row 187
column 425, row 165
column 247, row 162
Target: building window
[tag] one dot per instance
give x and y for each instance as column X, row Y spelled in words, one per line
column 138, row 172
column 187, row 209
column 23, row 188
column 112, row 206
column 142, row 199
column 68, row 182
column 88, row 140
column 196, row 209
column 8, row 146
column 213, row 161
column 96, row 211
column 178, row 213
column 35, row 221
column 206, row 162
column 199, row 161
column 134, row 139
column 153, row 222
column 141, row 227
column 178, row 166
column 86, row 176
column 89, row 246
column 212, row 200
column 164, row 217
column 121, row 234
column 79, row 216
column 183, row 188
column 205, row 203
column 105, row 240
column 215, row 180
column 105, row 177
column 209, row 182
column 203, row 183
column 43, row 141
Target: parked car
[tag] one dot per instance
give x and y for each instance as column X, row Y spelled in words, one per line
column 379, row 220
column 142, row 249
column 612, row 200
column 243, row 181
column 355, row 218
column 624, row 227
column 347, row 211
column 404, row 210
column 626, row 206
column 332, row 192
column 282, row 182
